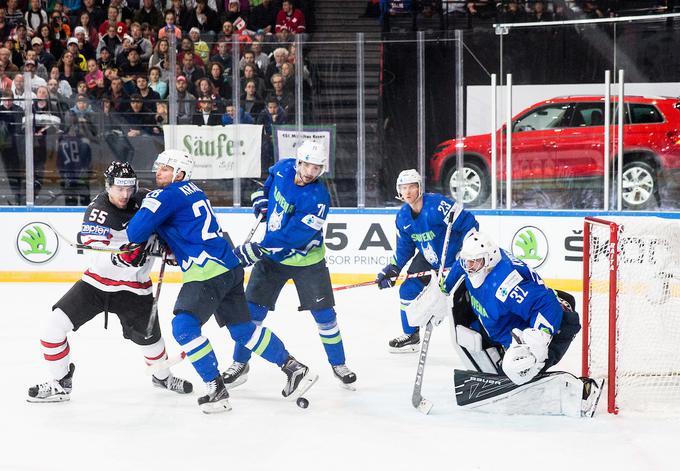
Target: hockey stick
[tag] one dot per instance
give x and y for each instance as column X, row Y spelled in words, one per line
column 417, row 399
column 169, row 362
column 154, row 306
column 375, row 282
column 250, row 235
column 79, row 246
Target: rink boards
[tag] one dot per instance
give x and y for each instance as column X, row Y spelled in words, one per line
column 359, row 242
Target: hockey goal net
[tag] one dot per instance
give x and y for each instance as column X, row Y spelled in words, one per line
column 631, row 311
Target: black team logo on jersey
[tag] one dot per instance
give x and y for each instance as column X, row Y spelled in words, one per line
column 37, row 242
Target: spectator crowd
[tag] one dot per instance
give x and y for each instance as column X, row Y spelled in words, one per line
column 102, row 67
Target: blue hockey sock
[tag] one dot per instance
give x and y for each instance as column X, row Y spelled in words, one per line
column 326, row 321
column 259, row 340
column 187, row 331
column 257, row 314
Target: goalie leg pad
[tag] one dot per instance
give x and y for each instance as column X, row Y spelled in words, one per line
column 469, row 345
column 555, row 393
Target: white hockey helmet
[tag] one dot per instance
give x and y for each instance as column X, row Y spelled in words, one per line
column 409, row 176
column 179, row 160
column 312, row 153
column 478, row 246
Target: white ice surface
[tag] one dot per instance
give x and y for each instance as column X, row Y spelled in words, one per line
column 117, row 421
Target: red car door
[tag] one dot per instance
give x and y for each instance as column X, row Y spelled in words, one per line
column 579, row 147
column 532, row 149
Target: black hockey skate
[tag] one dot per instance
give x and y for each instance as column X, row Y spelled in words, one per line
column 217, row 399
column 346, row 376
column 406, row 343
column 53, row 390
column 592, row 390
column 236, row 375
column 300, row 379
column 173, row 383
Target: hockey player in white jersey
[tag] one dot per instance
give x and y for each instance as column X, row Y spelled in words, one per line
column 510, row 328
column 113, row 283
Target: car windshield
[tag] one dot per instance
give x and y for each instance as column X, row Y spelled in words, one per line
column 545, row 117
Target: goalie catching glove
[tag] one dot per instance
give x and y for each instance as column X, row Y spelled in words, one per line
column 250, row 253
column 131, row 255
column 526, row 356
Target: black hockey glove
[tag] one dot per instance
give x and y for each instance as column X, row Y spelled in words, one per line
column 388, row 276
column 260, row 203
column 132, row 255
column 249, row 253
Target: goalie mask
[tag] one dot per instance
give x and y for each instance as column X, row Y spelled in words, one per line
column 179, row 161
column 478, row 256
column 310, row 152
column 407, row 177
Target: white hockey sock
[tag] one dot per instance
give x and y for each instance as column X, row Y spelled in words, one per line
column 55, row 346
column 155, row 353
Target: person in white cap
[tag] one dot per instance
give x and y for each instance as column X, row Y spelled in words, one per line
column 84, row 46
column 200, row 47
column 79, row 60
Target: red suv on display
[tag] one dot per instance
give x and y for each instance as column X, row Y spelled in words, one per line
column 562, row 138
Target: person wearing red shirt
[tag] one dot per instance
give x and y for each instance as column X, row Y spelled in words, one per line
column 121, row 27
column 290, row 18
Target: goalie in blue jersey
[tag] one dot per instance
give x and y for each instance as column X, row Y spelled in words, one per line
column 510, row 328
column 421, row 228
column 295, row 204
column 181, row 214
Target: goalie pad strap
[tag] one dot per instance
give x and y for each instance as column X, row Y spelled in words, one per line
column 556, row 393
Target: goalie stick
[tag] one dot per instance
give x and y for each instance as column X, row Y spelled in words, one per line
column 417, row 399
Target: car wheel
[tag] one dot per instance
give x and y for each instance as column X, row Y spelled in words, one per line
column 475, row 184
column 639, row 185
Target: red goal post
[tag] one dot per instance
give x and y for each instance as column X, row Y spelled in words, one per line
column 631, row 310
column 611, row 293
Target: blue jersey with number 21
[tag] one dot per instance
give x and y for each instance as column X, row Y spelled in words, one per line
column 182, row 216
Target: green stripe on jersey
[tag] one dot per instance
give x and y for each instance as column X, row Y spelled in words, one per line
column 312, row 257
column 210, row 270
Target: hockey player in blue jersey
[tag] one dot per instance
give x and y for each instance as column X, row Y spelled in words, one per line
column 421, row 228
column 510, row 328
column 296, row 204
column 181, row 214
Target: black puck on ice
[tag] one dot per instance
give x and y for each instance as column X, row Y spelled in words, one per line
column 302, row 402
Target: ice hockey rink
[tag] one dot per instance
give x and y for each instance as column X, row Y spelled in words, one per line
column 117, row 421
